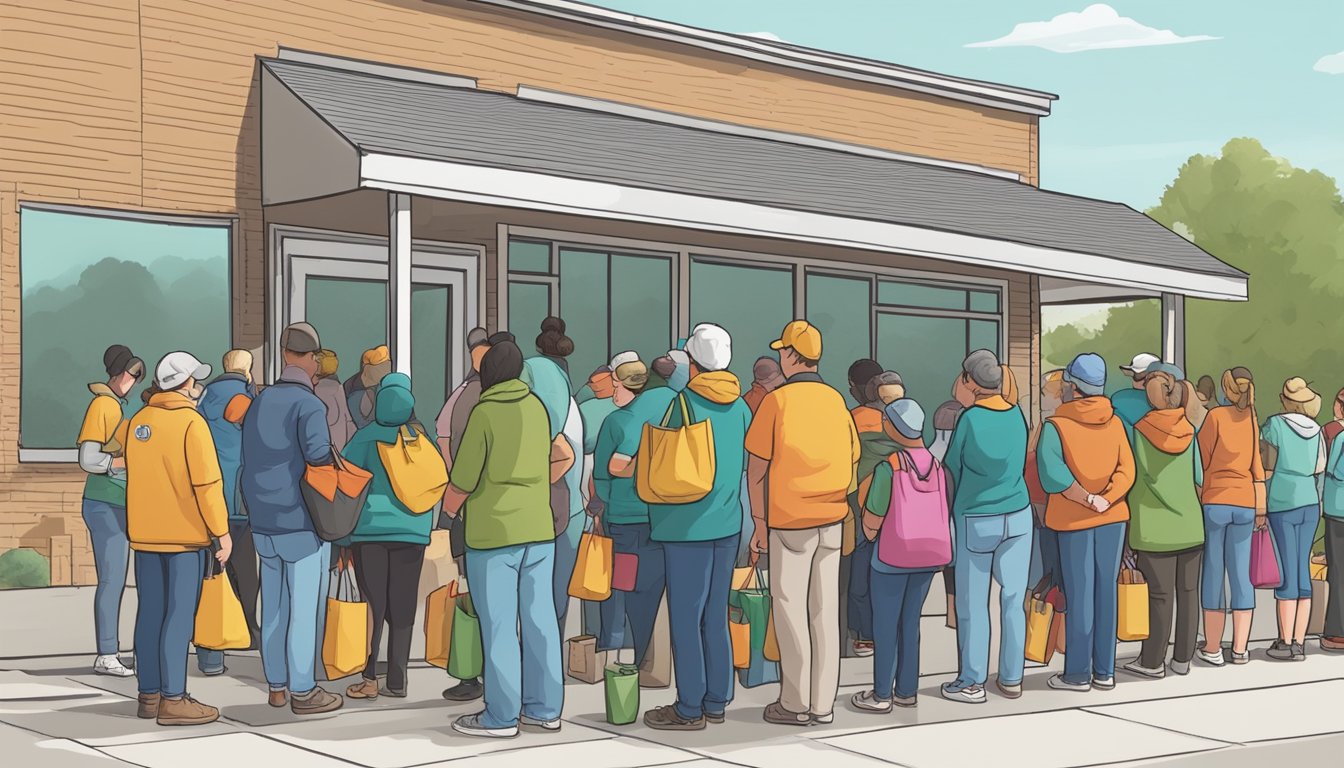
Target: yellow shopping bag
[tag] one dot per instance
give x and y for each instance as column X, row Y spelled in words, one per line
column 739, row 632
column 220, row 623
column 675, row 464
column 592, row 569
column 439, row 606
column 1041, row 631
column 416, row 470
column 1132, row 600
column 345, row 639
column 771, row 650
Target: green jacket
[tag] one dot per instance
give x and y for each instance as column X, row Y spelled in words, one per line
column 987, row 459
column 504, row 464
column 1130, row 406
column 1164, row 509
column 385, row 518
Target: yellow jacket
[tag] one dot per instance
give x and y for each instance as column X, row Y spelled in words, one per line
column 174, row 491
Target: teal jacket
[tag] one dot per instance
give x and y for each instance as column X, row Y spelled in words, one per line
column 594, row 411
column 385, row 518
column 621, row 433
column 1130, row 405
column 1298, row 443
column 1333, row 500
column 987, row 459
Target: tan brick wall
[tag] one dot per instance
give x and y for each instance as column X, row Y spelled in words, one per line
column 152, row 105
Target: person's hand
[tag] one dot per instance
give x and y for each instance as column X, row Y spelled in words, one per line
column 760, row 543
column 595, row 507
column 225, row 549
column 1261, row 521
column 1099, row 504
column 119, row 464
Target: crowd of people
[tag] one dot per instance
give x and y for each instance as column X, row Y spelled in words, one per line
column 1170, row 476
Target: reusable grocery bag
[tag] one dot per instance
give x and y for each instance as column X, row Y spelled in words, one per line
column 739, row 631
column 917, row 530
column 586, row 663
column 1320, row 595
column 345, row 639
column 439, row 607
column 1132, row 603
column 1264, row 561
column 752, row 598
column 591, row 579
column 1041, row 631
column 220, row 623
column 415, row 469
column 675, row 465
column 621, row 687
column 466, row 658
column 334, row 495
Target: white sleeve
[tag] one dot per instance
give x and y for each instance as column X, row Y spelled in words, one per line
column 92, row 459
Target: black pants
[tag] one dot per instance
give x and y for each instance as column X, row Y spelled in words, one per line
column 388, row 576
column 246, row 580
column 1334, row 576
column 1171, row 576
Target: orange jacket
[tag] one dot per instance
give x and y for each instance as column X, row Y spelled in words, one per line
column 1229, row 446
column 1096, row 450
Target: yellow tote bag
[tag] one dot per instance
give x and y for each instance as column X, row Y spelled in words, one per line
column 220, row 623
column 739, row 632
column 675, row 464
column 439, row 606
column 416, row 470
column 591, row 579
column 771, row 649
column 345, row 639
column 1132, row 599
column 1040, row 646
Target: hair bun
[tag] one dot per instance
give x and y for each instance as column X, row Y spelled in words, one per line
column 553, row 324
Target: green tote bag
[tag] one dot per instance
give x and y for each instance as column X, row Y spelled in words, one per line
column 621, row 685
column 465, row 656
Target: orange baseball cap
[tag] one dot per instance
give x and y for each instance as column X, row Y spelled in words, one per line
column 803, row 337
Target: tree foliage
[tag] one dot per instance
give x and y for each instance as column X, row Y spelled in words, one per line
column 1285, row 227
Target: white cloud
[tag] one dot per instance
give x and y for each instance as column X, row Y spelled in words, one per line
column 1096, row 27
column 771, row 36
column 1331, row 65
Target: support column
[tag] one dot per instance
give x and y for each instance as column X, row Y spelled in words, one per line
column 1173, row 329
column 399, row 280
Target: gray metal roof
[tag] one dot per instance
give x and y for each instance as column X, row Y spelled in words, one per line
column 401, row 117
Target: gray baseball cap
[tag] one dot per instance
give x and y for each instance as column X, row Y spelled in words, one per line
column 300, row 338
column 477, row 337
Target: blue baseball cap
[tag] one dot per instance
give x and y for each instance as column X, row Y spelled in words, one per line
column 1089, row 369
column 906, row 415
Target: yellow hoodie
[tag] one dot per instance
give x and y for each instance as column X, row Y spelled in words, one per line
column 174, row 491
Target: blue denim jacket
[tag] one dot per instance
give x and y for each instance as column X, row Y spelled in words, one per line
column 228, row 437
column 284, row 431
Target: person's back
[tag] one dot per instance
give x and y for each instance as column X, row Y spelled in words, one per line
column 227, row 435
column 1130, row 406
column 1165, row 514
column 812, row 445
column 174, row 496
column 284, row 431
column 1095, row 450
column 1229, row 445
column 622, row 430
column 1298, row 451
column 339, row 422
column 987, row 459
column 385, row 518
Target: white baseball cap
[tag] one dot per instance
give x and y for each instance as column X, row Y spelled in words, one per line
column 176, row 367
column 710, row 346
column 1141, row 363
column 624, row 357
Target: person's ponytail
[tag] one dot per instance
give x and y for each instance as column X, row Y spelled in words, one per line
column 1009, row 387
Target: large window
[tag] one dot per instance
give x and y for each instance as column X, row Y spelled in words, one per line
column 752, row 302
column 611, row 301
column 93, row 279
column 841, row 308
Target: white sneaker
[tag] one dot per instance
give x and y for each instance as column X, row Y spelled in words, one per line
column 1212, row 659
column 866, row 701
column 470, row 725
column 1136, row 667
column 1060, row 684
column 547, row 725
column 111, row 665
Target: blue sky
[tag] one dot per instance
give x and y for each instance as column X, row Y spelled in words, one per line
column 1127, row 117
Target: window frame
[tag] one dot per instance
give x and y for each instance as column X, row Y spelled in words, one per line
column 229, row 222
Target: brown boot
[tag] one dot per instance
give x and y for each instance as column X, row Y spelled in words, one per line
column 364, row 689
column 1335, row 644
column 317, row 702
column 185, row 711
column 149, row 706
column 278, row 698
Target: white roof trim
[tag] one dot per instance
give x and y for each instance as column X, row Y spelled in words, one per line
column 374, row 68
column 970, row 91
column 718, row 126
column 535, row 191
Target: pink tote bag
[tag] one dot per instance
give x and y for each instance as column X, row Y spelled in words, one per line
column 917, row 531
column 1264, row 561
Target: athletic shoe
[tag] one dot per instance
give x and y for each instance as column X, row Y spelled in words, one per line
column 825, row 719
column 1280, row 651
column 1137, row 668
column 906, row 702
column 966, row 694
column 1179, row 667
column 1009, row 691
column 1103, row 683
column 545, row 725
column 467, row 690
column 1212, row 659
column 1060, row 684
column 776, row 714
column 1241, row 658
column 470, row 725
column 666, row 718
column 1299, row 652
column 111, row 665
column 863, row 648
column 867, row 701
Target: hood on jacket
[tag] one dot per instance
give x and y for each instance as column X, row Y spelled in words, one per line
column 1092, row 411
column 719, row 387
column 550, row 384
column 171, row 400
column 1168, row 430
column 100, row 388
column 394, row 406
column 507, row 391
column 1305, row 428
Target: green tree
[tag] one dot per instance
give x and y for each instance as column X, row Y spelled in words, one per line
column 1285, row 227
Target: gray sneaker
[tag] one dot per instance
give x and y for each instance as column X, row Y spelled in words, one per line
column 969, row 694
column 1280, row 651
column 1299, row 652
column 1179, row 667
column 1060, row 684
column 1212, row 659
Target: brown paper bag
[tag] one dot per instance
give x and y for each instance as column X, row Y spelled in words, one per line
column 586, row 663
column 656, row 671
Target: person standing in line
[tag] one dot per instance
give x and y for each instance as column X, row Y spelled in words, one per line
column 987, row 460
column 594, row 413
column 1234, row 504
column 450, row 425
column 1087, row 467
column 389, row 542
column 624, row 515
column 803, row 450
column 867, row 418
column 503, row 472
column 1332, row 504
column 329, row 389
column 223, row 407
column 1207, row 392
column 1045, row 570
column 944, row 424
column 374, row 365
column 554, row 345
column 175, row 505
column 1294, row 454
column 1131, row 403
column 767, row 376
column 101, row 443
column 699, row 541
column 285, row 431
column 1166, row 528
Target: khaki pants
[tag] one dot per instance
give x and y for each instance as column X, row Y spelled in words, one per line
column 805, row 593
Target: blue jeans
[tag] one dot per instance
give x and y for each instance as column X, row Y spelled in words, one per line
column 1045, row 558
column 1294, row 531
column 1091, row 562
column 512, row 590
column 860, row 608
column 1227, row 552
column 566, row 555
column 699, row 577
column 997, row 546
column 898, row 600
column 293, row 593
column 640, row 607
column 111, row 552
column 168, row 586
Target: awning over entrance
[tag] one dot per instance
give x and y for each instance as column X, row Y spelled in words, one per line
column 330, row 130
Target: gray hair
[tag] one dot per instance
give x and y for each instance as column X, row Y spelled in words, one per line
column 984, row 369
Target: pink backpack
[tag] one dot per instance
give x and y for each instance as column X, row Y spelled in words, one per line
column 916, row 532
